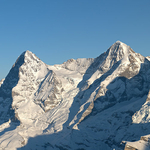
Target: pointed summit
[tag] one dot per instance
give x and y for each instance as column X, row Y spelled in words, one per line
column 26, row 52
column 118, row 42
column 119, row 57
column 118, row 45
column 118, row 49
column 29, row 55
column 117, row 52
column 25, row 55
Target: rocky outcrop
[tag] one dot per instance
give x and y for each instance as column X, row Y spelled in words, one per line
column 142, row 144
column 127, row 147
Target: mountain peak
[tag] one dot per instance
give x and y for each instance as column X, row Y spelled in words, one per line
column 119, row 42
column 118, row 51
column 27, row 51
column 26, row 57
column 120, row 45
column 29, row 54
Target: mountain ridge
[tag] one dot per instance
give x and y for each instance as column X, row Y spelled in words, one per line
column 98, row 98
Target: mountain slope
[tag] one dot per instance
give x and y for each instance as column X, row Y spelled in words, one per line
column 93, row 103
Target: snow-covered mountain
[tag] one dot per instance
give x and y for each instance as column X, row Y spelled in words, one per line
column 88, row 103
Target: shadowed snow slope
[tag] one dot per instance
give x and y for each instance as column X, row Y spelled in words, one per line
column 88, row 103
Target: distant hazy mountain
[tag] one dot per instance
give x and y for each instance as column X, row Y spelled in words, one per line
column 83, row 104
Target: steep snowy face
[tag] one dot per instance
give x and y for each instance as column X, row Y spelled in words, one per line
column 118, row 60
column 12, row 78
column 30, row 88
column 6, row 87
column 127, row 60
column 118, row 51
column 37, row 90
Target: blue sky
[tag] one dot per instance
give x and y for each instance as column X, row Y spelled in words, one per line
column 57, row 30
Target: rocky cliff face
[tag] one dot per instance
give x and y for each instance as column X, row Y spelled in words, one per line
column 81, row 104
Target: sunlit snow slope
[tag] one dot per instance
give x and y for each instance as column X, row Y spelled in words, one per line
column 82, row 104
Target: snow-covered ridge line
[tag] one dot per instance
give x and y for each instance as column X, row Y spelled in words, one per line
column 148, row 57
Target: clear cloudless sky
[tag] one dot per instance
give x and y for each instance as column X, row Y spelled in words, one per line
column 57, row 30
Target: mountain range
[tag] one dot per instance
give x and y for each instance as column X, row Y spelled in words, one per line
column 98, row 103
